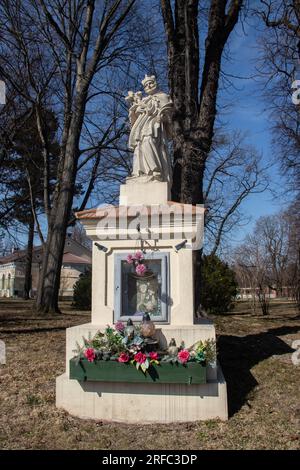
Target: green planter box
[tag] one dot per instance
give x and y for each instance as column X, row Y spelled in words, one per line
column 112, row 371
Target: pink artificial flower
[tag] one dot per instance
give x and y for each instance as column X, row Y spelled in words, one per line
column 140, row 357
column 183, row 356
column 90, row 354
column 124, row 357
column 119, row 326
column 153, row 356
column 130, row 259
column 139, row 255
column 140, row 269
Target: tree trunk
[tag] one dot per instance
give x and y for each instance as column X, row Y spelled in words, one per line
column 48, row 292
column 194, row 112
column 263, row 301
column 28, row 265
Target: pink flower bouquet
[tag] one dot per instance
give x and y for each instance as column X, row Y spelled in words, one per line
column 137, row 260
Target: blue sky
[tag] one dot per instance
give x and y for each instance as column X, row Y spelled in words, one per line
column 249, row 113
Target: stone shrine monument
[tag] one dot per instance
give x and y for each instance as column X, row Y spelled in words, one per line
column 166, row 233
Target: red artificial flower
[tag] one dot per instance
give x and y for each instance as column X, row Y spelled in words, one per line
column 90, row 354
column 153, row 356
column 140, row 358
column 183, row 356
column 124, row 357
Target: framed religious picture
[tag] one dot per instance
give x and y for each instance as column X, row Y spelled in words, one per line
column 138, row 291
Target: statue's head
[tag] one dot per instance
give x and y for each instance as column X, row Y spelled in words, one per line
column 150, row 85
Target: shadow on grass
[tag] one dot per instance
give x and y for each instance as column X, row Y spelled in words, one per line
column 238, row 354
column 244, row 308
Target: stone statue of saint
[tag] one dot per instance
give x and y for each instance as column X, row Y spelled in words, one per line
column 150, row 119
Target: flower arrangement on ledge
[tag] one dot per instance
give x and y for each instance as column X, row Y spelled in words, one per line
column 128, row 346
column 124, row 344
column 203, row 352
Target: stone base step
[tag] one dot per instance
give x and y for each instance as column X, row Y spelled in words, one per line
column 143, row 403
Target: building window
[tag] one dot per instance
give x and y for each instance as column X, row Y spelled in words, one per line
column 8, row 281
column 3, row 281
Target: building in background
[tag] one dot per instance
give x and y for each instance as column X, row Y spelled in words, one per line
column 76, row 260
column 248, row 293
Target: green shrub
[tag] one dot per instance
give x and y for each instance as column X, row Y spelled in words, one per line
column 82, row 291
column 218, row 287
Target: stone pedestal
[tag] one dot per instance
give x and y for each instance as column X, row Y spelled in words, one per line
column 160, row 227
column 135, row 193
column 143, row 403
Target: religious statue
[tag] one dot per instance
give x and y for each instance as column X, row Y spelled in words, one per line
column 144, row 295
column 150, row 119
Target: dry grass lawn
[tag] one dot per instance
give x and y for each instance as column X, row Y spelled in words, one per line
column 255, row 352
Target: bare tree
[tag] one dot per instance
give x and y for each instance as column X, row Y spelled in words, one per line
column 245, row 278
column 233, row 172
column 293, row 270
column 78, row 234
column 279, row 68
column 273, row 232
column 252, row 266
column 269, row 258
column 62, row 50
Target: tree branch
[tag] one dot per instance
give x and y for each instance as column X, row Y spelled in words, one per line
column 55, row 26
